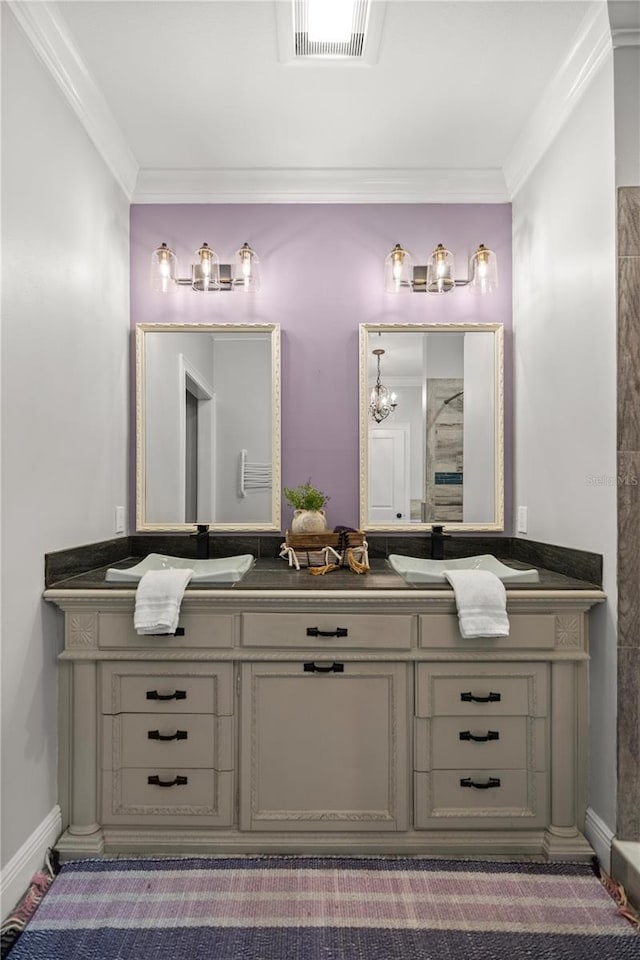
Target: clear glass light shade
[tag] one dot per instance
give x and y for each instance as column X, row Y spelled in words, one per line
column 483, row 271
column 205, row 272
column 164, row 270
column 246, row 269
column 398, row 270
column 441, row 271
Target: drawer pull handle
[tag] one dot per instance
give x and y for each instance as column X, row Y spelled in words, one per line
column 176, row 782
column 178, row 735
column 485, row 785
column 490, row 735
column 331, row 668
column 338, row 632
column 176, row 695
column 470, row 698
column 179, row 632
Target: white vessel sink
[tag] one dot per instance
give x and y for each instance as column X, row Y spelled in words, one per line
column 419, row 570
column 218, row 570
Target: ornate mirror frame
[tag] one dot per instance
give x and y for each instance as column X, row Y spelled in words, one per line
column 143, row 521
column 367, row 331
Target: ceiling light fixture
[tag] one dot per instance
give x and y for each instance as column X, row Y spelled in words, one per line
column 330, row 21
column 383, row 402
column 438, row 276
column 330, row 28
column 208, row 275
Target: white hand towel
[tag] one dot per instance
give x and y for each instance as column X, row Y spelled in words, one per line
column 158, row 600
column 481, row 600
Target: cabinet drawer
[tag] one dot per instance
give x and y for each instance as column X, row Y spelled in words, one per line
column 191, row 740
column 534, row 631
column 167, row 688
column 321, row 630
column 481, row 690
column 198, row 798
column 441, row 799
column 507, row 743
column 115, row 630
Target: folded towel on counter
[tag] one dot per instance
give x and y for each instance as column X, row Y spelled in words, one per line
column 481, row 600
column 158, row 600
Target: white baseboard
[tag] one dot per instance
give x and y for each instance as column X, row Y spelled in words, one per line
column 600, row 837
column 30, row 858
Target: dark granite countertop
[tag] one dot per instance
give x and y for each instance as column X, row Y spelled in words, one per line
column 275, row 574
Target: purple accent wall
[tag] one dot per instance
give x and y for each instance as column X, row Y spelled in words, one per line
column 322, row 276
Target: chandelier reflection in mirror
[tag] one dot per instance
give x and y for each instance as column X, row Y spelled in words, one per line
column 208, row 275
column 438, row 276
column 383, row 402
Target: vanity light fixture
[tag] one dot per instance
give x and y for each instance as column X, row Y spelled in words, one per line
column 208, row 275
column 438, row 276
column 383, row 402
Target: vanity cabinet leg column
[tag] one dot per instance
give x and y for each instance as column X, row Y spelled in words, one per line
column 84, row 835
column 563, row 840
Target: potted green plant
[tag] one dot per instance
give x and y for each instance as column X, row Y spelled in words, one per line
column 307, row 502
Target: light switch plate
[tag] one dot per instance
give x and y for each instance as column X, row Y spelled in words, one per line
column 522, row 519
column 119, row 520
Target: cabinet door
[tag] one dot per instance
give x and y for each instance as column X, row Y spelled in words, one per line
column 324, row 746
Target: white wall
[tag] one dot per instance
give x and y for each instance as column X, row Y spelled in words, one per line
column 565, row 377
column 64, row 401
column 242, row 375
column 164, row 390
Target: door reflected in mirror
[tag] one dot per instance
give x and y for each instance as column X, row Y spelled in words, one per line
column 436, row 454
column 208, row 426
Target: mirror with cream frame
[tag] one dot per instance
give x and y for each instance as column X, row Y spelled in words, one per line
column 434, row 452
column 208, row 426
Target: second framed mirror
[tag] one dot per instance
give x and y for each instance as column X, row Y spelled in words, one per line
column 431, row 426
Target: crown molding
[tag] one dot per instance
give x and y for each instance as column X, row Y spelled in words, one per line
column 590, row 48
column 48, row 34
column 297, row 185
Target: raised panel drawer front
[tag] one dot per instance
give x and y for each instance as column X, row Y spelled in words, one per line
column 167, row 688
column 478, row 690
column 477, row 799
column 321, row 630
column 324, row 751
column 507, row 743
column 167, row 740
column 175, row 796
column 115, row 630
column 534, row 631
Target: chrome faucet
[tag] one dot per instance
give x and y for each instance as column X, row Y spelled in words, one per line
column 438, row 538
column 202, row 541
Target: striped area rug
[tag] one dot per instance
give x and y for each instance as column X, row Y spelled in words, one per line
column 280, row 908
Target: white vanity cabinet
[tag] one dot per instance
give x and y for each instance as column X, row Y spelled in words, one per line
column 324, row 721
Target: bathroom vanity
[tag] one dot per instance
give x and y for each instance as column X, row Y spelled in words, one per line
column 337, row 714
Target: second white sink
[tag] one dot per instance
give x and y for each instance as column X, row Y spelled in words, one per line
column 421, row 570
column 218, row 570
